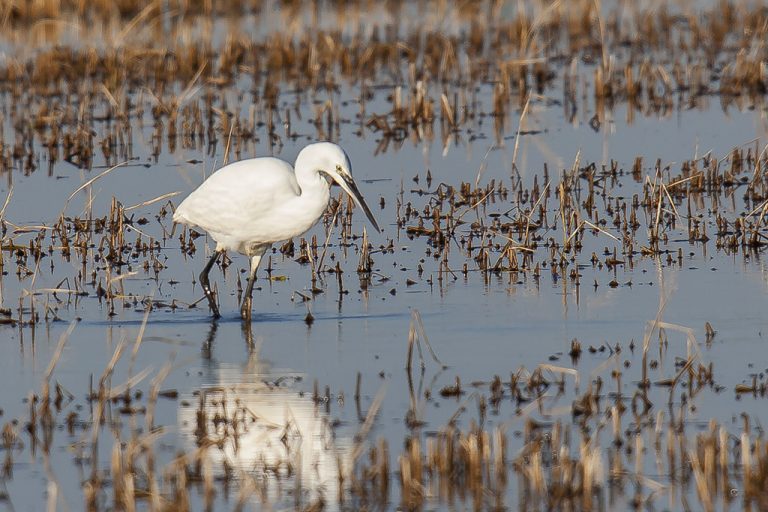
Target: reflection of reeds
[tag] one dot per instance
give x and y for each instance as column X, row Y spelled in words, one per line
column 584, row 462
column 84, row 105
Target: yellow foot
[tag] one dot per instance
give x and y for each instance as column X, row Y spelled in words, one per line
column 245, row 310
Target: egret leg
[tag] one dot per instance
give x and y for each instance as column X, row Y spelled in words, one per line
column 206, row 284
column 245, row 309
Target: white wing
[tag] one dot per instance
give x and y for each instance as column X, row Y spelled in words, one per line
column 234, row 202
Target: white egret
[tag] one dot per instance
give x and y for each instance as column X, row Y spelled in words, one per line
column 247, row 206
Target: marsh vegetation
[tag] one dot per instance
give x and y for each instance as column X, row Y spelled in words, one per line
column 565, row 308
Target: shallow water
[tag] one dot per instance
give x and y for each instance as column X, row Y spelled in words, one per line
column 480, row 324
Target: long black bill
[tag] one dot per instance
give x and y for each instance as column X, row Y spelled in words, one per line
column 350, row 188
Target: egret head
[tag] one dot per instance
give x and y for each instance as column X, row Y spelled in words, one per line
column 332, row 161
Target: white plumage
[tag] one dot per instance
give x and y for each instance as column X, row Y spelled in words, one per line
column 248, row 205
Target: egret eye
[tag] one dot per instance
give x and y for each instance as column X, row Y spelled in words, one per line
column 338, row 169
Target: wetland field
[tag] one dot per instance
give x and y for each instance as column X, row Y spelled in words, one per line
column 566, row 308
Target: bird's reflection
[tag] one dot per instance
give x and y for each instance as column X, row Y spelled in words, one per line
column 253, row 421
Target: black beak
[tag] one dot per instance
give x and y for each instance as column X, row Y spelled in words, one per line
column 349, row 186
